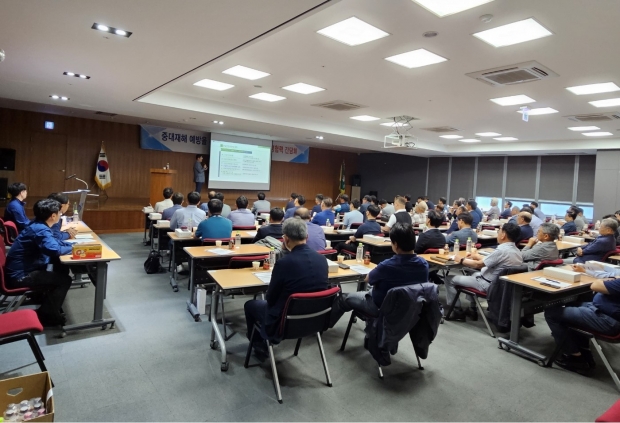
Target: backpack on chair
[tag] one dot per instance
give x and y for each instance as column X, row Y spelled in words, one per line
column 153, row 263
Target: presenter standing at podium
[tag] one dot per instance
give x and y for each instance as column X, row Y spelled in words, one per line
column 199, row 172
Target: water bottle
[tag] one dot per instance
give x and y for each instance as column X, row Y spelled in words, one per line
column 238, row 240
column 446, row 249
column 468, row 248
column 272, row 258
column 328, row 223
column 597, row 225
column 561, row 234
column 457, row 245
column 359, row 255
column 167, row 165
column 553, row 218
column 76, row 213
column 191, row 225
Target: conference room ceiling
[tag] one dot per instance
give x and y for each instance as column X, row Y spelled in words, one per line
column 150, row 75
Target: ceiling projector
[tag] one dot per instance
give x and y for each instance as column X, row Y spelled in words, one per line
column 396, row 140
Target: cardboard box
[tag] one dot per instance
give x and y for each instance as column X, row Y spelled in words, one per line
column 563, row 274
column 87, row 251
column 201, row 300
column 27, row 387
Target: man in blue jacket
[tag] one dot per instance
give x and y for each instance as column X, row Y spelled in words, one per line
column 327, row 213
column 63, row 200
column 29, row 259
column 15, row 211
column 603, row 243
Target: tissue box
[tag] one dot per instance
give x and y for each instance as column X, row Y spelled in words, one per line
column 489, row 232
column 328, row 229
column 86, row 251
column 563, row 274
column 573, row 239
column 332, row 266
column 37, row 385
column 155, row 216
column 164, row 223
column 183, row 233
column 147, row 210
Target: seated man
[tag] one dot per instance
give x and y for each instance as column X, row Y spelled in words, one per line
column 429, row 204
column 317, row 204
column 387, row 209
column 302, row 270
column 291, row 202
column 514, row 212
column 580, row 221
column 160, row 206
column 211, row 195
column 59, row 234
column 505, row 255
column 316, row 235
column 476, row 214
column 464, row 221
column 343, row 206
column 506, row 212
column 419, row 215
column 603, row 243
column 535, row 222
column 326, row 213
column 15, row 211
column 177, row 201
column 542, row 247
column 617, row 233
column 242, row 216
column 493, row 212
column 405, row 268
column 366, row 201
column 408, row 203
column 454, row 226
column 29, row 258
column 216, row 226
column 299, row 201
column 537, row 211
column 274, row 228
column 432, row 238
column 370, row 227
column 569, row 225
column 226, row 210
column 191, row 214
column 602, row 315
column 400, row 215
column 261, row 205
column 354, row 216
column 523, row 220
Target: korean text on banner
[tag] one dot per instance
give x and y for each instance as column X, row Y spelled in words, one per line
column 290, row 153
column 173, row 139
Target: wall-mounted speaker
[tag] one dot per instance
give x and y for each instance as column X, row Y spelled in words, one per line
column 356, row 180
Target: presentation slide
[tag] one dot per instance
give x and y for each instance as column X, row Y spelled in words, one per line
column 239, row 163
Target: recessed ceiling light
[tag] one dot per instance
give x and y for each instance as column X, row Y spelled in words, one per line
column 246, row 73
column 302, row 88
column 606, row 103
column 597, row 134
column 514, row 33
column 120, row 32
column 450, row 137
column 103, row 28
column 55, row 97
column 83, row 76
column 77, row 75
column 217, row 122
column 267, row 97
column 506, row 139
column 513, row 100
column 63, row 98
column 394, row 124
column 584, row 128
column 488, row 134
column 416, row 58
column 213, row 85
column 319, row 137
column 353, row 32
column 469, row 140
column 365, row 118
column 109, row 29
column 69, row 73
column 443, row 8
column 605, row 87
column 539, row 111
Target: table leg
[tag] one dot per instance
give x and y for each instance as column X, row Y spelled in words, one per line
column 146, row 220
column 173, row 280
column 215, row 330
column 191, row 303
column 151, row 234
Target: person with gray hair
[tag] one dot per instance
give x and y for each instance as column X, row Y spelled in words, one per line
column 604, row 243
column 301, row 270
column 494, row 211
column 542, row 246
column 316, row 234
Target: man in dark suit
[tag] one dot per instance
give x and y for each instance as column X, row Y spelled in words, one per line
column 302, row 270
column 432, row 238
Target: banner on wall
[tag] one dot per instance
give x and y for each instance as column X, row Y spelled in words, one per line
column 291, row 153
column 173, row 139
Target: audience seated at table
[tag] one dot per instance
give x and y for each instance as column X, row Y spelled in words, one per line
column 326, row 213
column 190, row 214
column 60, row 235
column 291, row 202
column 429, row 204
column 493, row 212
column 226, row 210
column 399, row 215
column 452, row 210
column 432, row 237
column 454, row 226
column 580, row 221
column 216, row 226
column 366, row 201
column 601, row 315
column 419, row 213
column 343, row 204
column 387, row 209
column 299, row 201
column 443, row 201
column 370, row 227
column 506, row 213
column 177, row 203
column 28, row 259
column 439, row 208
column 537, row 211
column 274, row 228
column 523, row 220
column 316, row 235
column 242, row 216
column 160, row 206
column 408, row 203
column 617, row 233
column 535, row 222
column 15, row 211
column 476, row 213
column 302, row 270
column 260, row 205
column 542, row 247
column 353, row 216
column 601, row 245
column 505, row 255
column 404, row 268
column 465, row 231
column 569, row 225
column 317, row 204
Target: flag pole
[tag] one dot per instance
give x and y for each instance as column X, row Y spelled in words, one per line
column 102, row 192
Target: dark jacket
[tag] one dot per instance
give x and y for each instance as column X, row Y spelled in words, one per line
column 413, row 309
column 595, row 250
column 432, row 238
column 15, row 212
column 499, row 298
column 273, row 230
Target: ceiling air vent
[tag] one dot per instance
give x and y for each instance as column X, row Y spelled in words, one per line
column 513, row 74
column 596, row 117
column 441, row 129
column 106, row 114
column 339, row 105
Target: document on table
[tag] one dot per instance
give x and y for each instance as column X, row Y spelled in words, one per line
column 362, row 270
column 81, row 241
column 265, row 277
column 552, row 283
column 219, row 251
column 84, row 236
column 251, row 233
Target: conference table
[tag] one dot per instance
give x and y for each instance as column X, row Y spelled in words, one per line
column 98, row 271
column 226, row 280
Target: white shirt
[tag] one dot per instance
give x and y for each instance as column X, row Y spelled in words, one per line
column 163, row 205
column 392, row 220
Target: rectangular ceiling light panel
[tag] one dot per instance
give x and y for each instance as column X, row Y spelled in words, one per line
column 513, row 33
column 353, row 32
column 416, row 58
column 443, row 8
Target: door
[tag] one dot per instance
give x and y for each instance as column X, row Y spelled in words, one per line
column 48, row 155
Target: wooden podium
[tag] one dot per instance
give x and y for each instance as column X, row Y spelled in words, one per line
column 160, row 179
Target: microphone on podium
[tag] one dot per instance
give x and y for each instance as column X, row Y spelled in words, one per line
column 71, row 176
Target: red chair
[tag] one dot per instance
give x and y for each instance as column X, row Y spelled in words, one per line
column 549, row 263
column 476, row 294
column 244, row 228
column 211, row 241
column 611, row 253
column 611, row 415
column 10, row 232
column 431, row 251
column 20, row 325
column 355, row 225
column 330, row 254
column 18, row 294
column 242, row 262
column 303, row 315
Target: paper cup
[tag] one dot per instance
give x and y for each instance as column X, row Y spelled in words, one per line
column 218, row 243
column 474, row 250
column 328, row 245
column 255, row 265
column 441, row 251
column 340, row 258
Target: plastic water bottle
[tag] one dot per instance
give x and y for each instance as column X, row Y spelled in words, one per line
column 359, row 255
column 272, row 258
column 561, row 234
column 76, row 213
column 457, row 245
column 597, row 225
column 468, row 248
column 238, row 240
column 446, row 249
column 553, row 219
column 328, row 223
